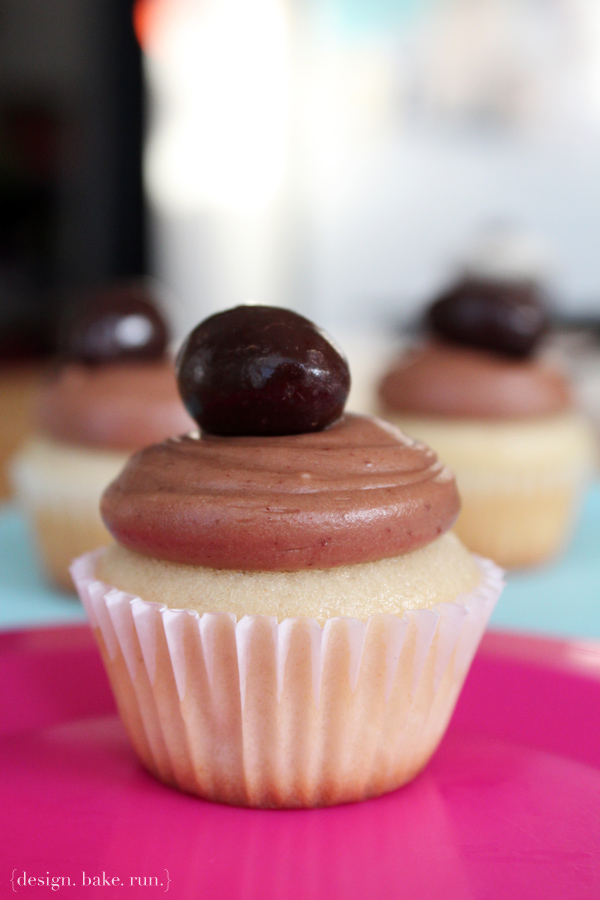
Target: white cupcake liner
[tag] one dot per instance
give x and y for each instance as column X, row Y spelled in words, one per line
column 48, row 473
column 260, row 713
column 519, row 520
column 529, row 483
column 522, row 459
column 59, row 490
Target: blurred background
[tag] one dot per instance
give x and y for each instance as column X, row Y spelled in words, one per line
column 341, row 154
column 336, row 156
column 71, row 208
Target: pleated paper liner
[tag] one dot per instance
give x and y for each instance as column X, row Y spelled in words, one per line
column 59, row 490
column 291, row 714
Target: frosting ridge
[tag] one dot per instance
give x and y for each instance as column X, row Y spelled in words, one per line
column 356, row 492
column 441, row 379
column 121, row 406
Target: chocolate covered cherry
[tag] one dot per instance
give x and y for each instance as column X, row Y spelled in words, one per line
column 261, row 370
column 508, row 317
column 119, row 324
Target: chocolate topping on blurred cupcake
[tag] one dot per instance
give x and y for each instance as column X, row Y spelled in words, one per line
column 116, row 387
column 507, row 317
column 118, row 324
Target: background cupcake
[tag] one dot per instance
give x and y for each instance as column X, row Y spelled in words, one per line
column 284, row 617
column 498, row 415
column 113, row 392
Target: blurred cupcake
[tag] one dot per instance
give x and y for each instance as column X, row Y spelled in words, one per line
column 502, row 419
column 114, row 392
column 285, row 618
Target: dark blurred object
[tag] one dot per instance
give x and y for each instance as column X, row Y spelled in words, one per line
column 71, row 202
column 508, row 317
column 29, row 205
column 120, row 323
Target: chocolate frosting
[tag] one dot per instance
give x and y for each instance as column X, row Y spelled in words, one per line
column 356, row 492
column 445, row 380
column 113, row 407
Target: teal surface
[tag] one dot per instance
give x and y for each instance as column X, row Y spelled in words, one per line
column 25, row 599
column 559, row 599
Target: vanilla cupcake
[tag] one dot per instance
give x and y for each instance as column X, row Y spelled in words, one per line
column 285, row 617
column 502, row 419
column 114, row 392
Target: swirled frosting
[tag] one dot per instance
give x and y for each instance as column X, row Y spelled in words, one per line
column 441, row 379
column 112, row 407
column 356, row 492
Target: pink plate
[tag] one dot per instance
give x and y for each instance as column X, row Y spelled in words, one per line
column 508, row 808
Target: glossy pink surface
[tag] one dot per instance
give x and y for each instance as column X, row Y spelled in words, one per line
column 509, row 807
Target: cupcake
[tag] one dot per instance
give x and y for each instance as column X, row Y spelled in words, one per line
column 114, row 392
column 501, row 418
column 285, row 617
